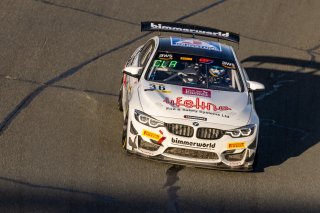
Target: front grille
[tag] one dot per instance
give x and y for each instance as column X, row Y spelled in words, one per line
column 190, row 153
column 209, row 133
column 181, row 130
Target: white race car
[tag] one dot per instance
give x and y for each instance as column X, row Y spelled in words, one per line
column 188, row 101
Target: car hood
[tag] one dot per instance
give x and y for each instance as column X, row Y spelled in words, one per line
column 214, row 106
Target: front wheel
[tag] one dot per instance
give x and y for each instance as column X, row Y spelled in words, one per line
column 255, row 166
column 124, row 133
column 120, row 107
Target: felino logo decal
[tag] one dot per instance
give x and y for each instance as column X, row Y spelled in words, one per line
column 193, row 144
column 195, row 43
column 237, row 145
column 154, row 136
column 198, row 104
column 196, row 92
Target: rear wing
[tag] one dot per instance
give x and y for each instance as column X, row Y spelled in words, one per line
column 189, row 29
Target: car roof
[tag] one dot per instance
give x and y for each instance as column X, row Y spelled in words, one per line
column 195, row 46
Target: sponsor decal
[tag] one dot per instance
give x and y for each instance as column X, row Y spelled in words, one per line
column 205, row 60
column 195, row 43
column 230, row 65
column 154, row 136
column 164, row 56
column 193, row 144
column 158, row 88
column 151, row 135
column 196, row 92
column 189, row 30
column 186, row 110
column 185, row 58
column 197, row 104
column 164, row 63
column 237, row 145
column 195, row 117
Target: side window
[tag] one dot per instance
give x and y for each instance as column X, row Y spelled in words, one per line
column 134, row 57
column 146, row 53
column 129, row 62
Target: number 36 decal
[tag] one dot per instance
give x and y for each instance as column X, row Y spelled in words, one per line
column 158, row 87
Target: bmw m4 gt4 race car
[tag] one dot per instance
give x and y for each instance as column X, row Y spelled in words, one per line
column 188, row 101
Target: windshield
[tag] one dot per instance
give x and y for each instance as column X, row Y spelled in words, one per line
column 194, row 71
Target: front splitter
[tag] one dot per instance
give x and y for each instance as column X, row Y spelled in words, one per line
column 214, row 166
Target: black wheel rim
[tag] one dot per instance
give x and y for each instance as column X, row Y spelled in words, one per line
column 124, row 132
column 120, row 99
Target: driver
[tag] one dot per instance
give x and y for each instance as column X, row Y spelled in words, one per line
column 219, row 75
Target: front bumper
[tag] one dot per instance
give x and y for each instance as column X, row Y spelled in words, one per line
column 213, row 155
column 215, row 166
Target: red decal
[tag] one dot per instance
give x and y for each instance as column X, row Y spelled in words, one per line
column 198, row 104
column 124, row 80
column 162, row 138
column 205, row 60
column 196, row 92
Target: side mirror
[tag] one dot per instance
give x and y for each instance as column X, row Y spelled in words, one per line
column 133, row 71
column 255, row 86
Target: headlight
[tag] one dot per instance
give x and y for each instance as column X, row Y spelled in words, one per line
column 244, row 131
column 147, row 119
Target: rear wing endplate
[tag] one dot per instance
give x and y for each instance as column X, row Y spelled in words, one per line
column 189, row 29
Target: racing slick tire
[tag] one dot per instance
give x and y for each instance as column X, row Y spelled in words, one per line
column 255, row 166
column 125, row 133
column 120, row 107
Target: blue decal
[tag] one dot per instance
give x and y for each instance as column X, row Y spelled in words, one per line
column 195, row 43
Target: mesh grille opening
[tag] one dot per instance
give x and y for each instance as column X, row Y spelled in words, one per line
column 190, row 153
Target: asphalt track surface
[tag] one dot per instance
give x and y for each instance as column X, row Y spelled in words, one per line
column 60, row 130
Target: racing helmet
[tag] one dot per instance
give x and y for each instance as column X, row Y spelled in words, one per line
column 217, row 71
